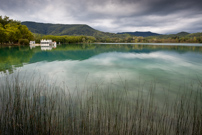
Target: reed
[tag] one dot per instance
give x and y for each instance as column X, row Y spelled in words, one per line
column 40, row 108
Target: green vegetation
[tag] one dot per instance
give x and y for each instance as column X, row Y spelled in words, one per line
column 68, row 29
column 23, row 41
column 11, row 31
column 69, row 39
column 172, row 38
column 36, row 107
column 59, row 30
column 182, row 37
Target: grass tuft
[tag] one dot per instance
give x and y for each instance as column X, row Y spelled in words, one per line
column 27, row 108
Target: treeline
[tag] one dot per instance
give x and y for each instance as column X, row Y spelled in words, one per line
column 172, row 38
column 12, row 32
column 181, row 37
column 65, row 39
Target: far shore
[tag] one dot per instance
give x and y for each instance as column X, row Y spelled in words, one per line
column 151, row 43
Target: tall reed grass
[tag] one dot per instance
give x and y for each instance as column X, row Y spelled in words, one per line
column 39, row 108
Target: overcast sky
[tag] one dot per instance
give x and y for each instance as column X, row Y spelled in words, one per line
column 160, row 16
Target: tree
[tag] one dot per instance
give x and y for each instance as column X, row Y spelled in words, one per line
column 25, row 33
column 2, row 34
column 11, row 31
column 23, row 41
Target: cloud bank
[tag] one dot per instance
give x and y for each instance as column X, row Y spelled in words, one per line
column 161, row 16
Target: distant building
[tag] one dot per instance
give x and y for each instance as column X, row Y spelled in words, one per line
column 54, row 44
column 31, row 42
column 48, row 42
column 45, row 42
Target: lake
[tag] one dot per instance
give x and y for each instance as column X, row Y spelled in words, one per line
column 169, row 67
column 101, row 89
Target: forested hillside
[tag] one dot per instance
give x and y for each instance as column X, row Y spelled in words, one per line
column 68, row 29
column 60, row 29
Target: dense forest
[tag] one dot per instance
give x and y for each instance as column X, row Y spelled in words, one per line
column 66, row 39
column 13, row 32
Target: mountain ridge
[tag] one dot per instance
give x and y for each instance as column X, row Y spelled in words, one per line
column 141, row 33
column 59, row 29
column 86, row 30
column 69, row 29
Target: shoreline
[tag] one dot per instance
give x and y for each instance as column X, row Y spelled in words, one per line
column 6, row 45
column 166, row 44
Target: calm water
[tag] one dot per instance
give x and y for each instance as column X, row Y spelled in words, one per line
column 170, row 68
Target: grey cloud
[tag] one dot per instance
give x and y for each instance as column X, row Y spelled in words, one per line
column 111, row 15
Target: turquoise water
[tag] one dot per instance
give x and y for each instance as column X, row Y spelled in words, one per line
column 169, row 68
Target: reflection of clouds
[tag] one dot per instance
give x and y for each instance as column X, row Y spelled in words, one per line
column 173, row 59
column 108, row 67
column 155, row 55
column 102, row 60
column 118, row 55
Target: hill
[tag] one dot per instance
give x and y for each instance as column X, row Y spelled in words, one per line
column 180, row 34
column 68, row 29
column 181, row 37
column 141, row 34
column 60, row 29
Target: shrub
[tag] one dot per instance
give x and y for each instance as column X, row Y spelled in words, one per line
column 23, row 41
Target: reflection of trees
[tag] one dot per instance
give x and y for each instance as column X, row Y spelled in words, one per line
column 16, row 56
column 129, row 47
column 85, row 51
column 12, row 57
column 167, row 47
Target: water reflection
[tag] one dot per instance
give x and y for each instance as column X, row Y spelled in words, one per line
column 32, row 46
column 18, row 56
column 171, row 67
column 43, row 48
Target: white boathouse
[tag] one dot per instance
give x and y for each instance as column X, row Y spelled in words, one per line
column 48, row 42
column 31, row 42
column 45, row 42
